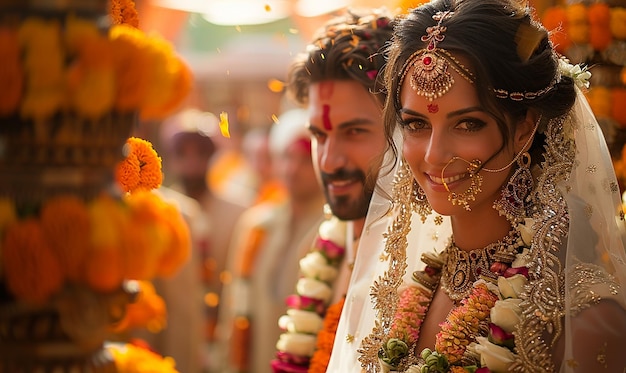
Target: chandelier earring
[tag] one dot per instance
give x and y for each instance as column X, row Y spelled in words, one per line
column 512, row 204
column 419, row 203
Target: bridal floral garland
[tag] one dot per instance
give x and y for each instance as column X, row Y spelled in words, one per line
column 304, row 319
column 480, row 329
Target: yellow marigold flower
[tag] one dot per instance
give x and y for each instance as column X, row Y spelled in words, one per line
column 32, row 271
column 104, row 264
column 132, row 72
column 79, row 31
column 133, row 359
column 578, row 25
column 11, row 75
column 618, row 22
column 44, row 67
column 181, row 83
column 92, row 75
column 66, row 226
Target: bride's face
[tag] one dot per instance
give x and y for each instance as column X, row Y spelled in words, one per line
column 454, row 125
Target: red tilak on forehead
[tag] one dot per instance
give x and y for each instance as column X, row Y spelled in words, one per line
column 433, row 108
column 326, row 117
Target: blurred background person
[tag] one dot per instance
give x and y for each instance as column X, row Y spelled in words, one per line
column 256, row 152
column 269, row 240
column 187, row 150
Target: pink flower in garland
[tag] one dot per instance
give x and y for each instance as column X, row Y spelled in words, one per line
column 410, row 313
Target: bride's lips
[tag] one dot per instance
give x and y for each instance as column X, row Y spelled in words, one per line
column 437, row 182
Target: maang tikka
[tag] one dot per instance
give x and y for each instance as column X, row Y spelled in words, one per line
column 431, row 77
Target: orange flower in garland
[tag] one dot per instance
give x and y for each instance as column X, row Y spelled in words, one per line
column 147, row 311
column 32, row 271
column 123, row 12
column 326, row 338
column 11, row 75
column 132, row 68
column 179, row 247
column 141, row 170
column 66, row 225
column 463, row 321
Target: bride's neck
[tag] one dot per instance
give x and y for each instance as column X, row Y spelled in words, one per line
column 477, row 229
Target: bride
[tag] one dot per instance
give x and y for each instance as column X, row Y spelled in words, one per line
column 498, row 138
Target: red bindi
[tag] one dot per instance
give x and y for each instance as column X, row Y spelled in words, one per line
column 433, row 108
column 326, row 117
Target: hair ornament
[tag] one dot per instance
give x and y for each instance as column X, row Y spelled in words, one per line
column 431, row 76
column 580, row 75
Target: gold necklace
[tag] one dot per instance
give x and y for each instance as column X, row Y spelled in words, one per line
column 462, row 268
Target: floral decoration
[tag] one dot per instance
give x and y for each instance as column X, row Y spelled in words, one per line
column 303, row 321
column 477, row 335
column 123, row 12
column 55, row 66
column 141, row 169
column 130, row 358
column 326, row 338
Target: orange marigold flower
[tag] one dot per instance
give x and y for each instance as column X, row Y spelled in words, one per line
column 149, row 237
column 11, row 75
column 555, row 20
column 326, row 338
column 123, row 12
column 104, row 264
column 127, row 172
column 132, row 71
column 600, row 101
column 179, row 248
column 147, row 175
column 463, row 321
column 618, row 110
column 176, row 79
column 150, row 175
column 32, row 271
column 66, row 226
column 148, row 310
column 600, row 32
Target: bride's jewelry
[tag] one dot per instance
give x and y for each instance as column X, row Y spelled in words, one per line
column 464, row 198
column 462, row 268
